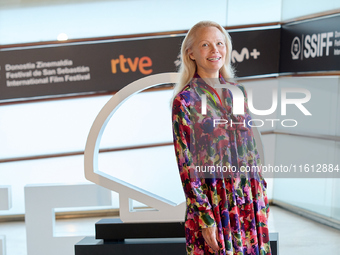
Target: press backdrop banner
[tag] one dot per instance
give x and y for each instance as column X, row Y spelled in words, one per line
column 94, row 67
column 311, row 46
column 83, row 68
column 256, row 52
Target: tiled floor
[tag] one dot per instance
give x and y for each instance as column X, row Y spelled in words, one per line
column 297, row 235
column 300, row 236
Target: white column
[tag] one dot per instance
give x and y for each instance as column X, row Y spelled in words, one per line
column 40, row 202
column 5, row 204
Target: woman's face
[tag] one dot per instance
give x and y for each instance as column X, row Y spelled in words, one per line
column 208, row 51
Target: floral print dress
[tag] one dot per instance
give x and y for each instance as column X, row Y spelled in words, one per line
column 236, row 204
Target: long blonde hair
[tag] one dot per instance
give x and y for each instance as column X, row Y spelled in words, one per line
column 188, row 67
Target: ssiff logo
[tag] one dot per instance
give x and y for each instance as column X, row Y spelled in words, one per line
column 296, row 49
column 313, row 45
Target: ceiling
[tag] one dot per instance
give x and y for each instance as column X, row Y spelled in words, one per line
column 43, row 20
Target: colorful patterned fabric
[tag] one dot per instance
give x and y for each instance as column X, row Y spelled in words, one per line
column 236, row 205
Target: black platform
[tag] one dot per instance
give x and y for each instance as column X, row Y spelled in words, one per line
column 148, row 246
column 145, row 238
column 115, row 229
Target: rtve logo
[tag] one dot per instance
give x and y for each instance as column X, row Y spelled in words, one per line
column 126, row 65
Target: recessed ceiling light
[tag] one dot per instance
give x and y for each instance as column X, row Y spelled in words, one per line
column 62, row 37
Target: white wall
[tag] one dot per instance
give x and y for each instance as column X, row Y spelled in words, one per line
column 296, row 8
column 104, row 18
column 320, row 195
column 63, row 125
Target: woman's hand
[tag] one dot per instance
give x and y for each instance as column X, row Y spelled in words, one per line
column 210, row 236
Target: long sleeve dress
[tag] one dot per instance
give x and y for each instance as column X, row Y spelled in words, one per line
column 237, row 205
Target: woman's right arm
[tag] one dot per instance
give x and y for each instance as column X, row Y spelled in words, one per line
column 195, row 188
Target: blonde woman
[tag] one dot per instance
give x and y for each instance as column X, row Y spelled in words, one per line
column 226, row 214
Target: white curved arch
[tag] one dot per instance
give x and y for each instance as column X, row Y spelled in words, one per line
column 165, row 210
